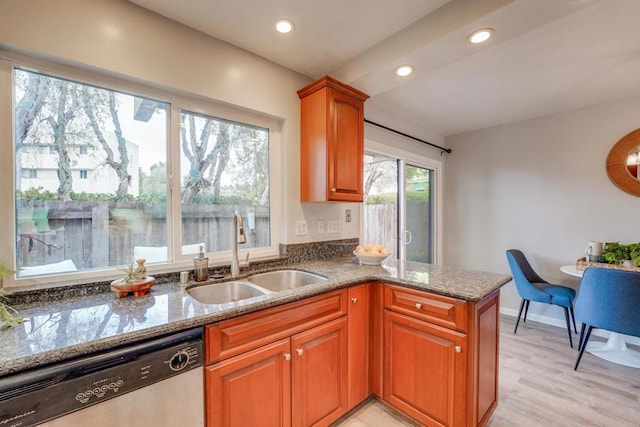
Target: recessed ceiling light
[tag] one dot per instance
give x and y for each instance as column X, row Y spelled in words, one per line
column 480, row 36
column 404, row 70
column 284, row 26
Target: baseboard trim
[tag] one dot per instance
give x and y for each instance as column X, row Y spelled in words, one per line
column 560, row 323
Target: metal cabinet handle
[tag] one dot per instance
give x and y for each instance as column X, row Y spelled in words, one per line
column 333, row 190
column 418, row 305
column 354, row 299
column 457, row 349
column 299, row 351
column 287, row 356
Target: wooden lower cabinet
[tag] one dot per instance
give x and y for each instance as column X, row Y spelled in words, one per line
column 425, row 370
column 319, row 374
column 252, row 389
column 307, row 363
column 358, row 350
column 297, row 381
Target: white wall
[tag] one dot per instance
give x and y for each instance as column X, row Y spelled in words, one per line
column 541, row 186
column 122, row 39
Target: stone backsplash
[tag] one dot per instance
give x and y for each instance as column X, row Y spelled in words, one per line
column 289, row 254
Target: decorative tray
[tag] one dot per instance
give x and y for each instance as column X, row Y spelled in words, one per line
column 582, row 263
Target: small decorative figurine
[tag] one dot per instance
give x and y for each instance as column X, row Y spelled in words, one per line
column 142, row 270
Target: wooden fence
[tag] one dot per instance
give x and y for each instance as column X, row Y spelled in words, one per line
column 101, row 234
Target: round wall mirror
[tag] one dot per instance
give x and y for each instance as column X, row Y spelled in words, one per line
column 623, row 163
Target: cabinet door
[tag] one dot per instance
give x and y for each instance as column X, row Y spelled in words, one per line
column 252, row 389
column 425, row 370
column 345, row 147
column 319, row 371
column 358, row 365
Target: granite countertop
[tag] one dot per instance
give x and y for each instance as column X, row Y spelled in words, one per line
column 81, row 325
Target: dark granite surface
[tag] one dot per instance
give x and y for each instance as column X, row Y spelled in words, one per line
column 66, row 328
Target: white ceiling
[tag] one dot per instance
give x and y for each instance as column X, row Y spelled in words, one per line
column 546, row 56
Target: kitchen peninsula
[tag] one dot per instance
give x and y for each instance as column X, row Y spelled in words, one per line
column 435, row 308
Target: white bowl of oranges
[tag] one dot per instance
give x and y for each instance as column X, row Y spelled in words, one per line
column 371, row 254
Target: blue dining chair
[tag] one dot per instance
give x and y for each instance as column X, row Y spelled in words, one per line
column 532, row 287
column 607, row 299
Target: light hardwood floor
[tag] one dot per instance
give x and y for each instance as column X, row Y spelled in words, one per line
column 538, row 386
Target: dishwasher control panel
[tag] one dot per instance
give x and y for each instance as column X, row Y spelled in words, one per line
column 93, row 380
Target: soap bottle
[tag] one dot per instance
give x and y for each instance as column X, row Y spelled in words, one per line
column 200, row 266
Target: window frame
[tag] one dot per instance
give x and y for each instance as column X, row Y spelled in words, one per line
column 177, row 101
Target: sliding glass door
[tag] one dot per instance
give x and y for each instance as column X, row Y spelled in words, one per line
column 418, row 213
column 399, row 207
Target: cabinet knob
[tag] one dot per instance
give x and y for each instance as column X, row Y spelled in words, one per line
column 299, row 351
column 418, row 305
column 287, row 356
column 457, row 349
column 354, row 299
column 333, row 190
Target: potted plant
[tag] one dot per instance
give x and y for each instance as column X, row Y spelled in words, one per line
column 7, row 314
column 634, row 253
column 135, row 280
column 619, row 254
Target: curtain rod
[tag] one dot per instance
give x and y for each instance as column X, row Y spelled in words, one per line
column 443, row 150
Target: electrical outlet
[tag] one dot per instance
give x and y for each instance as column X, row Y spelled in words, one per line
column 333, row 227
column 320, row 227
column 301, row 228
column 347, row 215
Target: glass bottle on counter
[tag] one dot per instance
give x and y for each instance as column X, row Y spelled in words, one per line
column 200, row 266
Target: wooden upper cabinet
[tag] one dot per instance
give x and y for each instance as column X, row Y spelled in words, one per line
column 332, row 142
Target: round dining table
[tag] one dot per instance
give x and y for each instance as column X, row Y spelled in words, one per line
column 615, row 349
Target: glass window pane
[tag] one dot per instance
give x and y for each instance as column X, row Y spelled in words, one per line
column 90, row 175
column 224, row 168
column 380, row 222
column 419, row 213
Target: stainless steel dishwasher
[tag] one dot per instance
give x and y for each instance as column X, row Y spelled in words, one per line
column 153, row 383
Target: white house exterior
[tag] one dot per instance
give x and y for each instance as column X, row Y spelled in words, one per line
column 89, row 171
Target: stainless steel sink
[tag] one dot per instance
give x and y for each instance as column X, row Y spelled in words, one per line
column 225, row 292
column 281, row 280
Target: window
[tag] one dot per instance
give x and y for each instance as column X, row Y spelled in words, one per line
column 118, row 205
column 29, row 173
column 85, row 223
column 225, row 168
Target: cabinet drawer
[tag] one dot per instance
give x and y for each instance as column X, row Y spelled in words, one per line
column 243, row 333
column 439, row 309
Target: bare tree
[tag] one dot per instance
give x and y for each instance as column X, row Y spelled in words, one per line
column 205, row 165
column 65, row 111
column 253, row 163
column 29, row 106
column 373, row 171
column 91, row 100
column 221, row 159
column 27, row 109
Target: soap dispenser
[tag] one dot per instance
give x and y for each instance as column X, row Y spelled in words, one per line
column 200, row 266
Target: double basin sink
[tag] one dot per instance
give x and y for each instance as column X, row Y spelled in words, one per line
column 256, row 285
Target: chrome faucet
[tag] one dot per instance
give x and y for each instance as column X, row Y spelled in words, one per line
column 238, row 237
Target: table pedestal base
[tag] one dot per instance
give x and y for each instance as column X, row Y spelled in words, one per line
column 615, row 350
